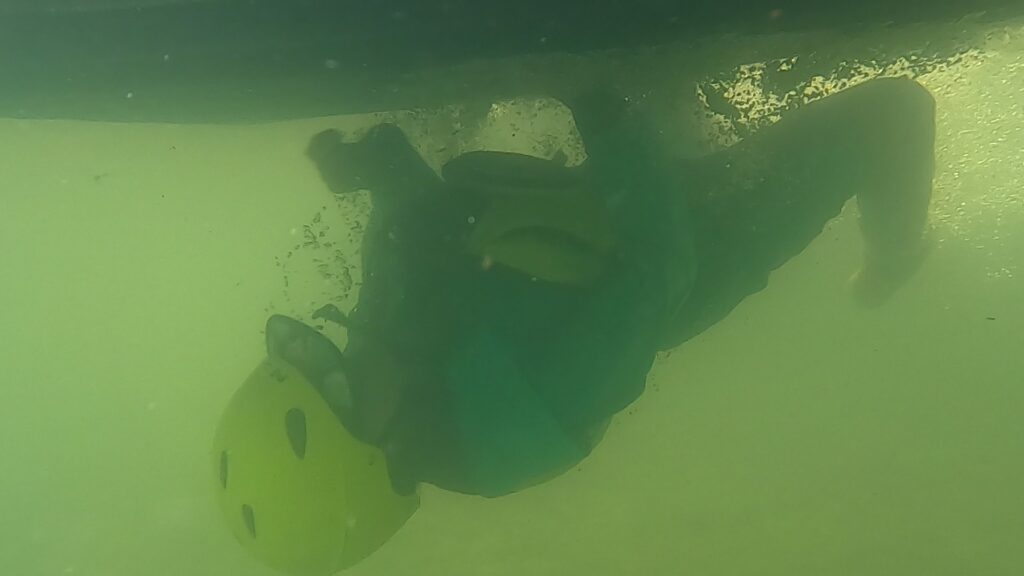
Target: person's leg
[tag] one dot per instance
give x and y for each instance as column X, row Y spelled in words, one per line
column 762, row 201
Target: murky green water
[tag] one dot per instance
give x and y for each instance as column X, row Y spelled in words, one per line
column 802, row 435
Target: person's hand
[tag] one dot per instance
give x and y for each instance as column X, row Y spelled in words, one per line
column 383, row 161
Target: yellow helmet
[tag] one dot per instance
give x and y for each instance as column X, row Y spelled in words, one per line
column 297, row 489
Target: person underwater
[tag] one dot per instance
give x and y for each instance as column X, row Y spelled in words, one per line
column 512, row 305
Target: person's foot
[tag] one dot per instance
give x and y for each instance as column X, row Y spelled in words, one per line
column 884, row 273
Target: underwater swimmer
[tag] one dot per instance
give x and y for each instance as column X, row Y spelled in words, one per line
column 512, row 305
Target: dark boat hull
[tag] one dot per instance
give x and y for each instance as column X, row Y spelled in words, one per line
column 260, row 60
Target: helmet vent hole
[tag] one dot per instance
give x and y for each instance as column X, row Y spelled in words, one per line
column 224, row 469
column 295, row 425
column 250, row 519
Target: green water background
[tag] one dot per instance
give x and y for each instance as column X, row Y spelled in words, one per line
column 802, row 435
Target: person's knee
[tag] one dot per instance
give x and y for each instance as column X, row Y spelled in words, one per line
column 890, row 119
column 897, row 100
column 908, row 95
column 908, row 118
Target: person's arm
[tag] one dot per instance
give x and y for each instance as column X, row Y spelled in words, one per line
column 386, row 164
column 400, row 328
